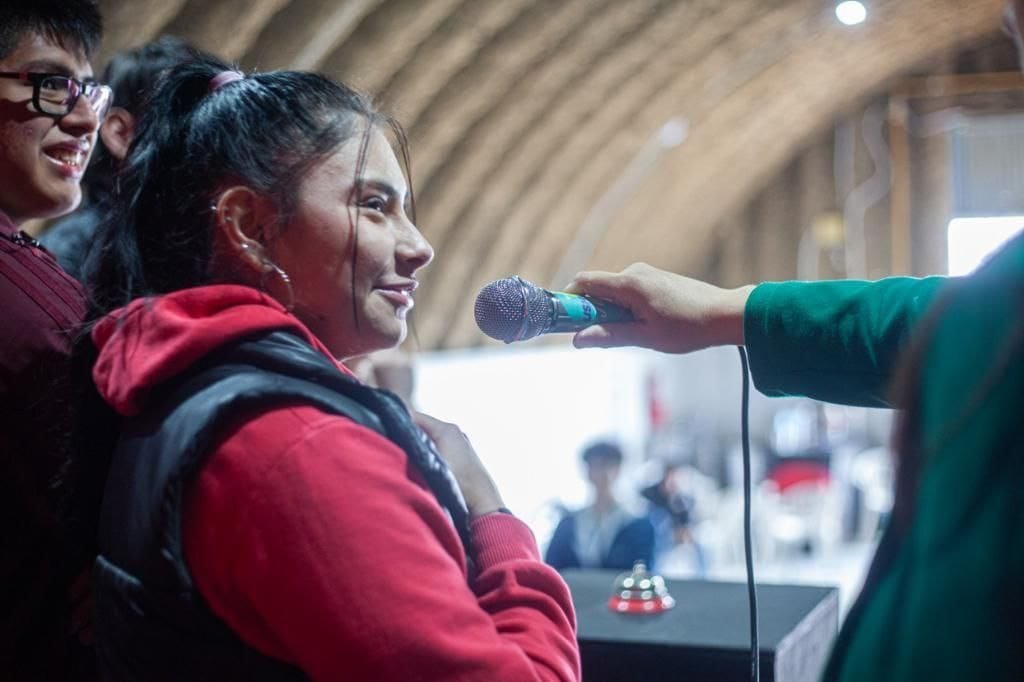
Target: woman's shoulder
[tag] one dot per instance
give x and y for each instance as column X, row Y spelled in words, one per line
column 298, row 437
column 290, row 427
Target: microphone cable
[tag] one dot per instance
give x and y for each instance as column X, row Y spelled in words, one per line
column 755, row 657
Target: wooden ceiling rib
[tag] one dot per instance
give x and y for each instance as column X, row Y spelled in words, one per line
column 485, row 144
column 472, row 93
column 600, row 136
column 488, row 139
column 305, row 32
column 522, row 114
column 385, row 41
column 130, row 24
column 838, row 69
column 226, row 28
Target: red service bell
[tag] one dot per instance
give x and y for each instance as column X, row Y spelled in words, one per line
column 640, row 592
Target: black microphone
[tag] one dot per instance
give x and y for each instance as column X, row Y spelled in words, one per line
column 513, row 309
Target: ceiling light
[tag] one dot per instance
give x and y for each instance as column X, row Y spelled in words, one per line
column 851, row 12
column 673, row 132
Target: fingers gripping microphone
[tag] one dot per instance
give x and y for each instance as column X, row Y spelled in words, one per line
column 513, row 309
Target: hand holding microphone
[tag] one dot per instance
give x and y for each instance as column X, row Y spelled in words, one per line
column 673, row 314
column 642, row 306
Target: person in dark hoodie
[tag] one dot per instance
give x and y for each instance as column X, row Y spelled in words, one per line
column 265, row 515
column 50, row 109
column 603, row 534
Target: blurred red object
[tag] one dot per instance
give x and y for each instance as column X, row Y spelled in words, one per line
column 657, row 412
column 789, row 474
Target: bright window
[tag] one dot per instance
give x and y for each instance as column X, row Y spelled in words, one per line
column 529, row 410
column 972, row 240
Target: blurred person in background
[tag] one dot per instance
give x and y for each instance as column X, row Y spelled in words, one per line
column 671, row 512
column 603, row 534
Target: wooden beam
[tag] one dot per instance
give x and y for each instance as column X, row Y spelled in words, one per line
column 736, row 144
column 737, row 148
column 445, row 53
column 900, row 197
column 591, row 123
column 130, row 24
column 958, row 84
column 385, row 41
column 568, row 47
column 305, row 32
column 600, row 128
column 225, row 28
column 928, row 87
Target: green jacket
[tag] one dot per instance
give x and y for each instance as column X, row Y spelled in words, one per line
column 945, row 598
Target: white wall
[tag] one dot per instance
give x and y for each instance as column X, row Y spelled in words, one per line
column 529, row 411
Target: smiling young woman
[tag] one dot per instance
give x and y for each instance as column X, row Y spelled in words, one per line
column 264, row 515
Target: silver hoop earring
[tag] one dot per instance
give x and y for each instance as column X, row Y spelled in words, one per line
column 269, row 267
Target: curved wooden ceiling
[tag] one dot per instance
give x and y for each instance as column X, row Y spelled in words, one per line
column 534, row 124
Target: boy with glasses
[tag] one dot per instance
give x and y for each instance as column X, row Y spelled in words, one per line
column 57, row 94
column 50, row 110
column 131, row 74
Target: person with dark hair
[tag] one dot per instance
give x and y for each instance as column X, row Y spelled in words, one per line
column 943, row 597
column 50, row 108
column 603, row 534
column 130, row 74
column 265, row 515
column 671, row 514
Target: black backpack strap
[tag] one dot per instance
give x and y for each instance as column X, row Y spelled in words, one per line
column 272, row 370
column 177, row 436
column 286, row 353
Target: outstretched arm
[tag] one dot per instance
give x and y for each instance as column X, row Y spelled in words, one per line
column 837, row 341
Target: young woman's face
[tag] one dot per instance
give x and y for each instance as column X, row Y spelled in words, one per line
column 351, row 251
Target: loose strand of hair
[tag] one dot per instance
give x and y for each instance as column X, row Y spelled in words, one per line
column 364, row 149
column 403, row 147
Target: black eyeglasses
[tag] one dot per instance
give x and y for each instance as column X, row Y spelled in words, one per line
column 57, row 95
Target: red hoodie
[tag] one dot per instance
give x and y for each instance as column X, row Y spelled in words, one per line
column 317, row 542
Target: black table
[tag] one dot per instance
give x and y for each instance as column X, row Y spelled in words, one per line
column 706, row 637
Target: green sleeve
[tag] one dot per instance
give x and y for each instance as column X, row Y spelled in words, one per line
column 834, row 341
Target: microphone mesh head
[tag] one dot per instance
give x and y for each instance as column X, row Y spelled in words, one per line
column 512, row 309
